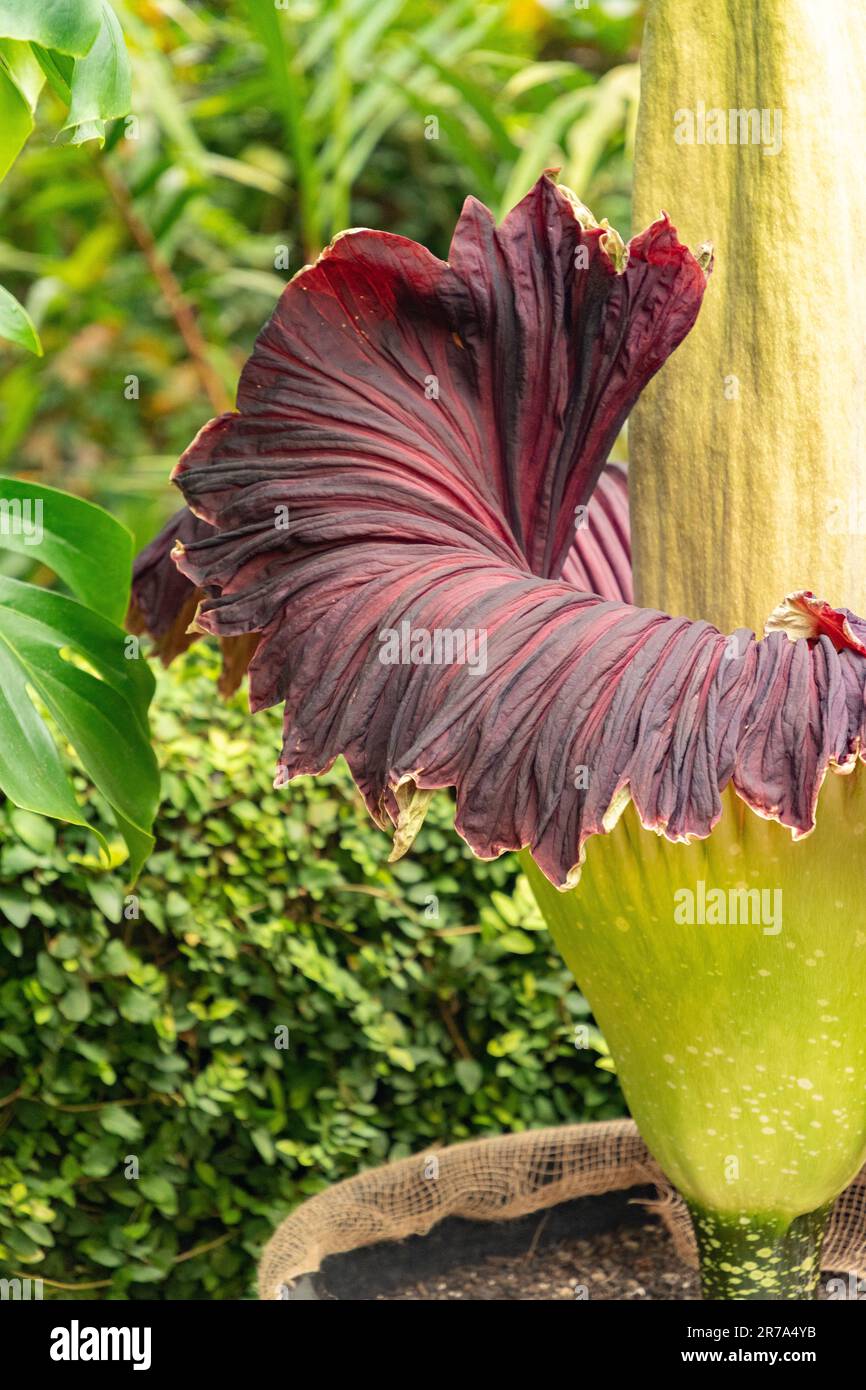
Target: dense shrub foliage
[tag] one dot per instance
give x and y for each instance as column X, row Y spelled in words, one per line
column 285, row 1009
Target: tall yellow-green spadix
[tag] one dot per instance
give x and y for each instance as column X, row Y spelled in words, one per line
column 748, row 452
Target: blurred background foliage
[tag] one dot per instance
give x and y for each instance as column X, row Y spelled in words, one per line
column 259, row 130
column 277, row 1008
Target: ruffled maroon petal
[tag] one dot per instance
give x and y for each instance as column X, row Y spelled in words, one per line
column 560, row 346
column 164, row 602
column 412, row 442
column 577, row 704
column 478, row 397
column 599, row 561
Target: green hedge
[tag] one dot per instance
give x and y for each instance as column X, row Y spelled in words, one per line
column 285, row 1009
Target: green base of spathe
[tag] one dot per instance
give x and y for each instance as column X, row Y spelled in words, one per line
column 740, row 1043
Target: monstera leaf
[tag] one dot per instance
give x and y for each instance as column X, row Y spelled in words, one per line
column 68, row 670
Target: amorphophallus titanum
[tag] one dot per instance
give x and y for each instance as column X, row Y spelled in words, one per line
column 389, row 517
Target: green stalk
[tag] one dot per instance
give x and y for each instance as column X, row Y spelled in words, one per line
column 740, row 1044
column 748, row 466
column 743, row 1258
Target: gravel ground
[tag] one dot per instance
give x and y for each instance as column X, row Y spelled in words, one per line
column 636, row 1265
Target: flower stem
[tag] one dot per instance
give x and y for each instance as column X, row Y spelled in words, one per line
column 758, row 1257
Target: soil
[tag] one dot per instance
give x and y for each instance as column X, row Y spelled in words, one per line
column 638, row 1265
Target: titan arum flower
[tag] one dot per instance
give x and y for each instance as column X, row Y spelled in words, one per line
column 413, row 444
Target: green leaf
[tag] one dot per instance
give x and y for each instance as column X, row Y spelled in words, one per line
column 16, row 325
column 265, row 1144
column 138, row 1007
column 101, row 87
column 99, row 702
column 475, row 97
column 103, row 715
column 81, row 543
column 159, row 1191
column 117, row 1119
column 31, row 772
column 22, row 1245
column 116, row 959
column 50, row 974
column 222, row 1008
column 57, row 68
column 75, row 1004
column 38, row 1231
column 469, row 1073
column 289, row 86
column 15, row 905
column 36, row 832
column 528, row 76
column 16, row 121
column 68, row 25
column 107, row 898
column 102, row 1254
column 475, row 160
column 517, row 942
column 401, row 1057
column 506, row 1043
column 21, row 63
column 100, row 1159
column 545, row 144
column 17, row 859
column 145, row 1274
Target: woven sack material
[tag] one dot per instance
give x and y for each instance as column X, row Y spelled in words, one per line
column 502, row 1178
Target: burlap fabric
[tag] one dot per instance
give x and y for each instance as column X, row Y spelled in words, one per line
column 497, row 1179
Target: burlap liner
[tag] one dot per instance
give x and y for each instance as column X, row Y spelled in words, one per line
column 498, row 1179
